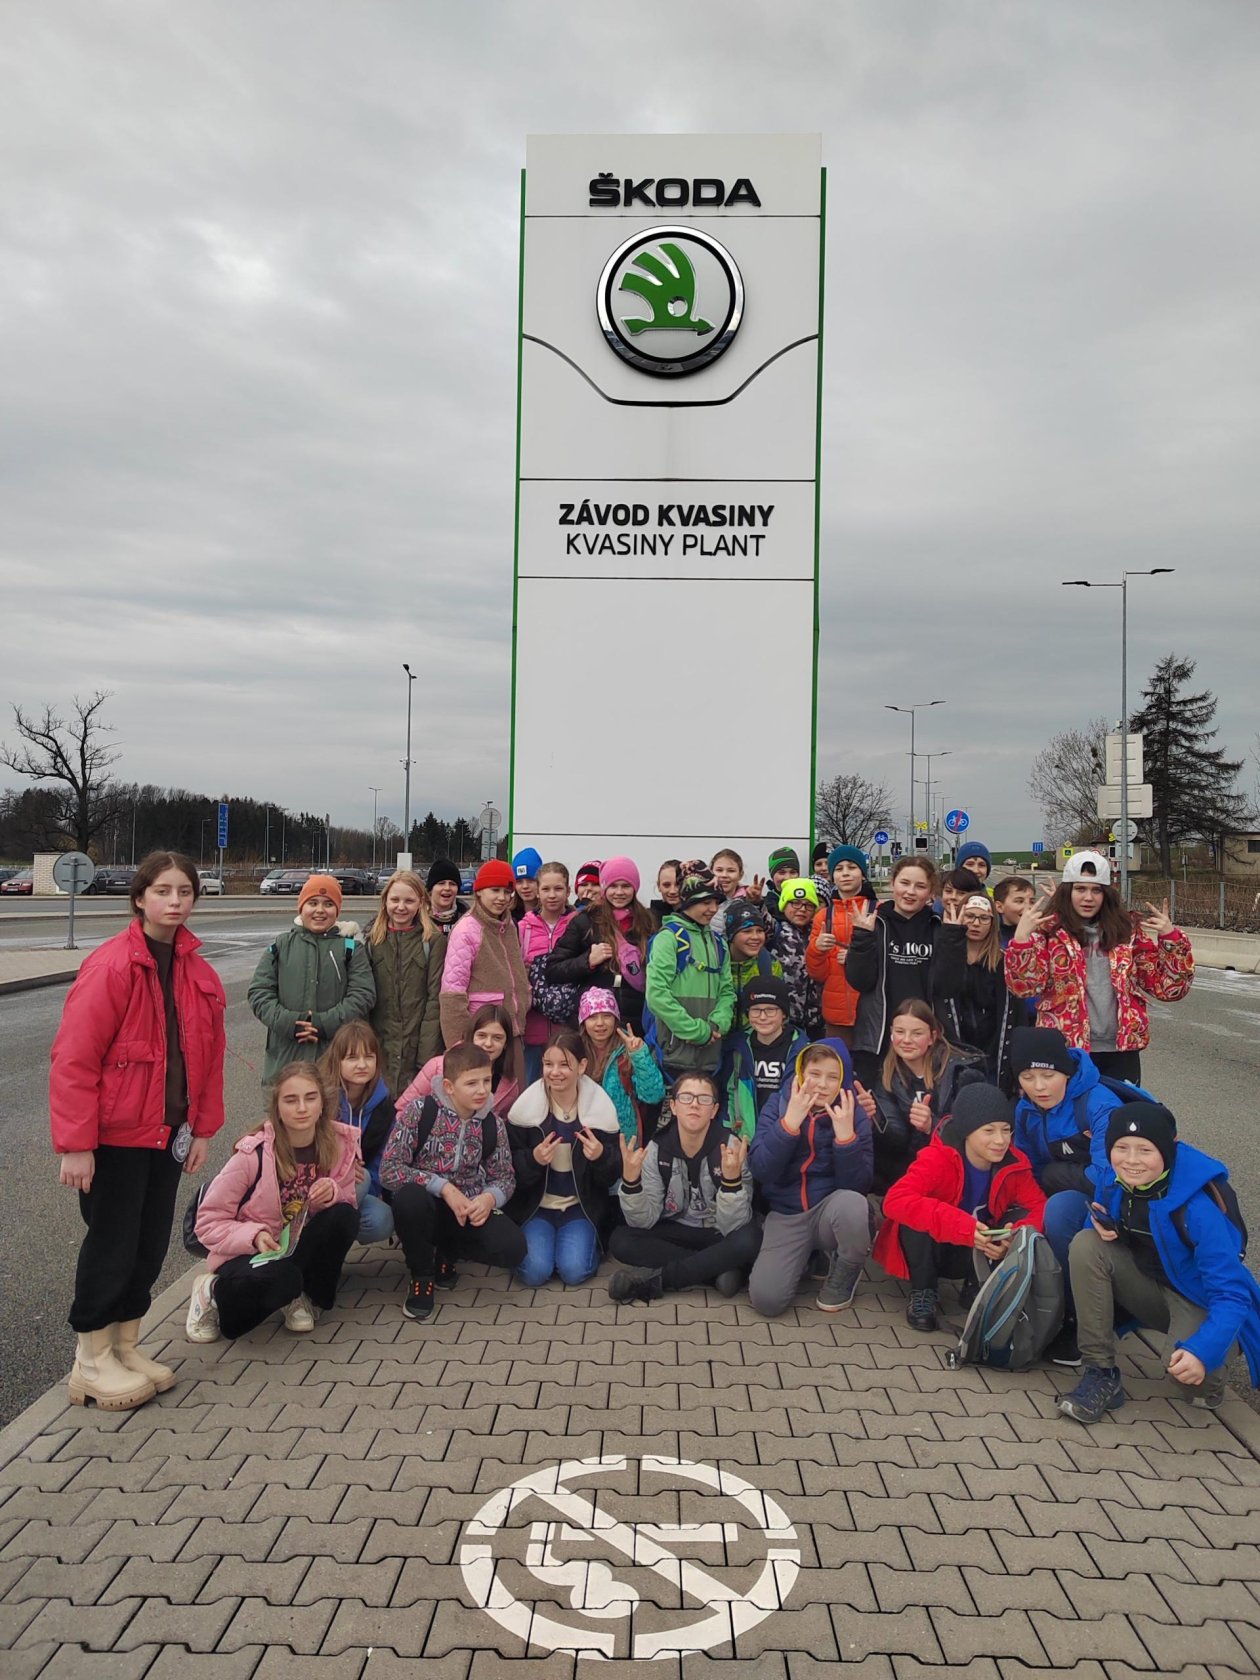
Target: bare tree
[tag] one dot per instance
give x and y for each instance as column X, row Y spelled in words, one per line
column 1064, row 780
column 76, row 758
column 848, row 810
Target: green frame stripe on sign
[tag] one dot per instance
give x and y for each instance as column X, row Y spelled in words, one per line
column 822, row 288
column 516, row 531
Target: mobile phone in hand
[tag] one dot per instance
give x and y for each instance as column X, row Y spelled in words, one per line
column 1101, row 1217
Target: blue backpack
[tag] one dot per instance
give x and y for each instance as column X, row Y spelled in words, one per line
column 683, row 956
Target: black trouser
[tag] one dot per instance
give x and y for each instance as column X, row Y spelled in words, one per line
column 929, row 1261
column 246, row 1295
column 1119, row 1064
column 687, row 1255
column 867, row 1067
column 128, row 1214
column 427, row 1228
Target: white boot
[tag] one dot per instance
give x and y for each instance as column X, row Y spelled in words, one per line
column 132, row 1357
column 98, row 1376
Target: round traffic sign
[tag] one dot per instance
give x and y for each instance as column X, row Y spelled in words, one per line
column 881, row 836
column 1126, row 830
column 957, row 821
column 555, row 1556
column 73, row 872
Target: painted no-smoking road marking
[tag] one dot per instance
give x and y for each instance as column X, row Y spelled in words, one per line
column 714, row 1602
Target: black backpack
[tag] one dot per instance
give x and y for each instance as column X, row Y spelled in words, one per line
column 192, row 1242
column 1225, row 1196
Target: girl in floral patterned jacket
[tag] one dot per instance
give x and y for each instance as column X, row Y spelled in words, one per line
column 1088, row 961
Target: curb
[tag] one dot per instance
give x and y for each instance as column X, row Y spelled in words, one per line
column 33, row 982
column 29, row 1425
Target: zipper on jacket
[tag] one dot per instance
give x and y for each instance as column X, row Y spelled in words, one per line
column 808, row 1163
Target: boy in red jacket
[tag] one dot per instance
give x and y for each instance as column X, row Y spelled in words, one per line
column 967, row 1184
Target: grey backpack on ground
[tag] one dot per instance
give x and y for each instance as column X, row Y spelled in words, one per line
column 1019, row 1310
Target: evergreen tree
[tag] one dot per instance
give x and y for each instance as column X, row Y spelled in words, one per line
column 1192, row 781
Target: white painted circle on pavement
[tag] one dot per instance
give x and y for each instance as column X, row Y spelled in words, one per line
column 552, row 1561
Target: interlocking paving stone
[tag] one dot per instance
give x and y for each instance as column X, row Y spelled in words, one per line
column 94, row 1626
column 235, row 1665
column 69, row 1662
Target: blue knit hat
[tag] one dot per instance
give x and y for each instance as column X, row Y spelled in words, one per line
column 526, row 864
column 973, row 849
column 847, row 854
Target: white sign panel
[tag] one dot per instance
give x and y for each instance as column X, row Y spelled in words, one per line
column 666, row 552
column 1141, row 801
column 1133, row 751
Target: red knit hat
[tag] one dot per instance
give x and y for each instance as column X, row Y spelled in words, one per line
column 494, row 873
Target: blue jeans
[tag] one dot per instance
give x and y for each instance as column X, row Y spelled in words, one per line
column 570, row 1248
column 533, row 1063
column 1065, row 1215
column 376, row 1222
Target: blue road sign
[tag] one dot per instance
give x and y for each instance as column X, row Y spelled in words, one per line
column 223, row 827
column 957, row 821
column 881, row 836
column 1038, row 847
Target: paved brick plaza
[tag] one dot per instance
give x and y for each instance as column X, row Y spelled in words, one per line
column 325, row 1506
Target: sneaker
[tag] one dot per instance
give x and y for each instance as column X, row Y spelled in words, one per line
column 202, row 1323
column 1063, row 1349
column 1098, row 1392
column 642, row 1283
column 446, row 1277
column 300, row 1316
column 843, row 1277
column 418, row 1301
column 921, row 1309
column 1208, row 1397
column 730, row 1283
column 968, row 1289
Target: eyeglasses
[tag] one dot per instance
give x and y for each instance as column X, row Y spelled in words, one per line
column 695, row 1099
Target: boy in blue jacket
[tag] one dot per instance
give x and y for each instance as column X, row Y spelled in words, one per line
column 1160, row 1249
column 813, row 1156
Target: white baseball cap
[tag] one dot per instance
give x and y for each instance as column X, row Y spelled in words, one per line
column 1097, row 866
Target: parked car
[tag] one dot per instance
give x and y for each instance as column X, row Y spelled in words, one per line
column 21, row 881
column 267, row 884
column 287, row 881
column 8, row 871
column 210, row 882
column 355, row 883
column 114, row 878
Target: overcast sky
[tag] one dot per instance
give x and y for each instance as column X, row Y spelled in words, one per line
column 258, row 268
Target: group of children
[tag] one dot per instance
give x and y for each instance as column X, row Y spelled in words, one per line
column 528, row 1083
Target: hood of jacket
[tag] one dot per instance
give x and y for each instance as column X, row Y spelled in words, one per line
column 339, row 930
column 841, row 1049
column 595, row 1106
column 439, row 1090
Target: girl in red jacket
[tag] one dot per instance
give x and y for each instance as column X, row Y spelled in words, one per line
column 278, row 1220
column 962, row 1190
column 135, row 1094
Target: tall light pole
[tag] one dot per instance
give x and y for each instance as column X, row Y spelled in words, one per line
column 204, row 821
column 1122, row 584
column 929, row 756
column 374, row 791
column 411, row 677
column 919, row 706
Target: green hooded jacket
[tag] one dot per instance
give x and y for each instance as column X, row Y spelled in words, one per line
column 325, row 974
column 406, row 1016
column 690, row 1002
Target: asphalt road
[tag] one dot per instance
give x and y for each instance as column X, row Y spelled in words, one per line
column 1205, row 1064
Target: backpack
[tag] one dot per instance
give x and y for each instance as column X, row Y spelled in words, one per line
column 1019, row 1309
column 192, row 1242
column 428, row 1119
column 683, row 956
column 1122, row 1088
column 1225, row 1196
column 557, row 1000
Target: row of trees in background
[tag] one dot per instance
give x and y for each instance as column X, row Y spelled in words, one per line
column 1194, row 786
column 76, row 803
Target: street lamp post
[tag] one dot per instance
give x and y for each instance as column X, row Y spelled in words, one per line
column 411, row 677
column 204, row 821
column 919, row 706
column 1122, row 584
column 374, row 791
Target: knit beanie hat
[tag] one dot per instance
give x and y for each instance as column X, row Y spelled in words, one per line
column 598, row 1001
column 973, row 849
column 847, row 854
column 819, row 854
column 618, row 869
column 526, row 864
column 441, row 869
column 741, row 917
column 798, row 890
column 587, row 875
column 315, row 886
column 1148, row 1120
column 696, row 888
column 976, row 1106
column 770, row 990
column 783, row 857
column 494, row 873
column 1041, row 1047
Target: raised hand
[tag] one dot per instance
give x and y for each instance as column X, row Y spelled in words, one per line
column 757, row 888
column 734, row 1154
column 1158, row 923
column 921, row 1113
column 866, row 920
column 632, row 1158
column 592, row 1148
column 826, row 941
column 951, row 914
column 1035, row 917
column 843, row 1115
column 628, row 1038
column 544, row 1151
column 865, row 1101
column 797, row 1111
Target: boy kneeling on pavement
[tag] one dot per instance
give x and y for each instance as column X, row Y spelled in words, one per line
column 1162, row 1249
